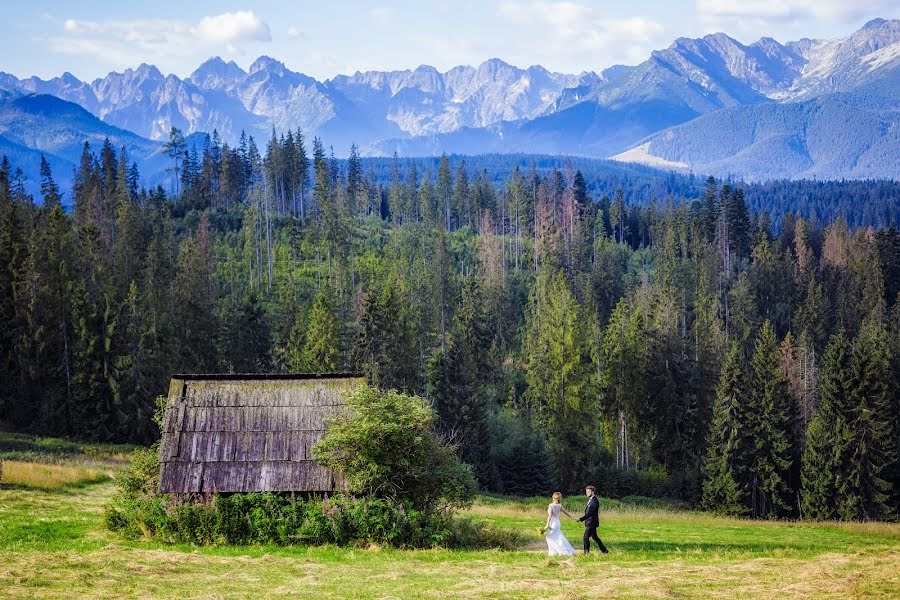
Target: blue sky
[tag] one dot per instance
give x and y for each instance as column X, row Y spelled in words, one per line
column 90, row 38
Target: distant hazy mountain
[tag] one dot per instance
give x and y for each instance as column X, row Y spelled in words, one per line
column 707, row 85
column 634, row 112
column 847, row 134
column 32, row 124
column 360, row 108
column 838, row 116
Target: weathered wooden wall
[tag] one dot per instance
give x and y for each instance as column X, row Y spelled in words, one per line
column 245, row 435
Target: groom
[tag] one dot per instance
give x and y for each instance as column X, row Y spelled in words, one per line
column 591, row 520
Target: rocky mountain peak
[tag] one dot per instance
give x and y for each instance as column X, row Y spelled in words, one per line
column 267, row 63
column 215, row 73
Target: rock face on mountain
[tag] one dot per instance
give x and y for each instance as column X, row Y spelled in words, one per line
column 425, row 101
column 496, row 106
column 838, row 117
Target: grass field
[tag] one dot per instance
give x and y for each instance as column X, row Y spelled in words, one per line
column 53, row 544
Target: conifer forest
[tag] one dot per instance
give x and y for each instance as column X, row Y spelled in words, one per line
column 685, row 345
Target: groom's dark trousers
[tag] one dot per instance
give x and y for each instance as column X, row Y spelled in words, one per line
column 590, row 533
column 591, row 520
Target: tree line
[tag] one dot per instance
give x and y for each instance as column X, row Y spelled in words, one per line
column 561, row 337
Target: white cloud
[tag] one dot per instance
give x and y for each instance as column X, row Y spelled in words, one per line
column 784, row 18
column 240, row 26
column 382, row 14
column 569, row 29
column 293, row 32
column 124, row 43
column 835, row 11
column 446, row 51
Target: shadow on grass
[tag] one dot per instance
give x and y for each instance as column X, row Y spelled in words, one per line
column 56, row 489
column 672, row 547
column 20, row 446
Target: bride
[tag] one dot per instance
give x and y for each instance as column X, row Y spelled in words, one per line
column 557, row 544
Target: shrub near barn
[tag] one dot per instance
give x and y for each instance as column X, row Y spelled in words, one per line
column 405, row 487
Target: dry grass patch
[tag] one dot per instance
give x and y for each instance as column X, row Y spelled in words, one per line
column 49, row 476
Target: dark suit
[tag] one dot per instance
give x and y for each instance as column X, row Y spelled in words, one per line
column 591, row 520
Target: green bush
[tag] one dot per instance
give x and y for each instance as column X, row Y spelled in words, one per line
column 263, row 518
column 385, row 446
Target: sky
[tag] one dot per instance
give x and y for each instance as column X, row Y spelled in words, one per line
column 89, row 38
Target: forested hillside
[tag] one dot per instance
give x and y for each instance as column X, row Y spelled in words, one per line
column 669, row 346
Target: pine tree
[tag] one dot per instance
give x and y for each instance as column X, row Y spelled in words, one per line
column 726, row 459
column 770, row 427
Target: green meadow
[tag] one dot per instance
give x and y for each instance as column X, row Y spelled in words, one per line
column 53, row 543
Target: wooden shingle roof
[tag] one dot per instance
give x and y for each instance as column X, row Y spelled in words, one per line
column 248, row 433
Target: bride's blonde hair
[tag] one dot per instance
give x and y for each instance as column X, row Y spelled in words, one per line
column 557, row 496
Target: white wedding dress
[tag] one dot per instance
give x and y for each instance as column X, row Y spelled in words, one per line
column 557, row 544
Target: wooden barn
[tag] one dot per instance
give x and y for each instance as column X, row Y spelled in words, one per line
column 248, row 433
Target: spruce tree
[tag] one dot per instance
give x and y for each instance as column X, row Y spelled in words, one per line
column 194, row 319
column 770, row 426
column 133, row 391
column 246, row 337
column 12, row 254
column 322, row 348
column 710, row 208
column 726, row 458
column 384, row 346
column 817, row 473
column 561, row 377
column 826, row 453
column 739, row 226
column 45, row 347
column 873, row 443
column 459, row 382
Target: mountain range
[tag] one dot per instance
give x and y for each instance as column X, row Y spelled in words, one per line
column 809, row 108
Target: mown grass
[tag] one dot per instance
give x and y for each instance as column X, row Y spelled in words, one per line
column 53, row 544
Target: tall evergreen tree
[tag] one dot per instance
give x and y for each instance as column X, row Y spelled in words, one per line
column 194, row 302
column 322, row 348
column 12, row 256
column 459, row 382
column 866, row 493
column 246, row 337
column 724, row 469
column 384, row 344
column 771, row 428
column 561, row 382
column 826, row 454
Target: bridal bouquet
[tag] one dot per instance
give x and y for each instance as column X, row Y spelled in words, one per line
column 541, row 531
